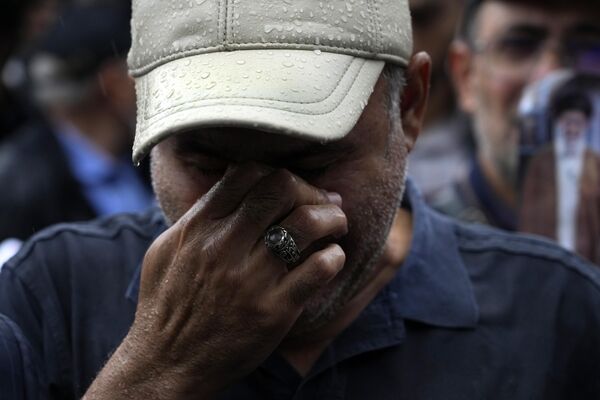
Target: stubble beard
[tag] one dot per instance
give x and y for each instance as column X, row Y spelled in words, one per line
column 363, row 250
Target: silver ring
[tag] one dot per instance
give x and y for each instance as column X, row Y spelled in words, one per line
column 281, row 243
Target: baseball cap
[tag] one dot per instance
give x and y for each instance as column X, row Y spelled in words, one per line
column 304, row 68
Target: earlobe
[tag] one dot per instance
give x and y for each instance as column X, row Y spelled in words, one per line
column 414, row 97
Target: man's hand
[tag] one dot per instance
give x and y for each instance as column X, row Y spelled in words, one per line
column 214, row 302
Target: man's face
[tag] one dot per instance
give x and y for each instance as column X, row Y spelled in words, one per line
column 573, row 124
column 366, row 168
column 513, row 46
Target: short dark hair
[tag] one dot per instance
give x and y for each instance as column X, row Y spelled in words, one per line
column 570, row 100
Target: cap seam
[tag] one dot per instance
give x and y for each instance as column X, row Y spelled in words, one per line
column 218, row 24
column 350, row 51
column 276, row 100
column 231, row 22
column 379, row 34
column 229, row 6
column 372, row 22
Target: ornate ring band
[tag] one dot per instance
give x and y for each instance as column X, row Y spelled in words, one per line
column 281, row 243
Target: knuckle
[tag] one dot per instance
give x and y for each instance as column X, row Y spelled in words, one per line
column 329, row 262
column 307, row 218
column 285, row 181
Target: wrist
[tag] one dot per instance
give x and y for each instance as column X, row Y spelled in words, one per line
column 136, row 372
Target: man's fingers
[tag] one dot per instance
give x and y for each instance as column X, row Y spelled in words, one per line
column 226, row 195
column 275, row 196
column 319, row 269
column 308, row 224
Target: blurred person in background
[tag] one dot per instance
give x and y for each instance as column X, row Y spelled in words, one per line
column 75, row 164
column 445, row 147
column 21, row 22
column 503, row 46
column 561, row 191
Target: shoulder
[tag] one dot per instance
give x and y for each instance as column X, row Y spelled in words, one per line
column 534, row 271
column 19, row 370
column 114, row 244
column 477, row 239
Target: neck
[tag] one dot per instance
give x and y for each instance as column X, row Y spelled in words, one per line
column 303, row 356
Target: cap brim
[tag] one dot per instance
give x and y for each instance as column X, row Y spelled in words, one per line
column 309, row 94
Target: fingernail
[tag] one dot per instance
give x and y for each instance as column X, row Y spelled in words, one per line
column 335, row 198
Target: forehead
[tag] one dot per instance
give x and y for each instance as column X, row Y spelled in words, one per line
column 496, row 16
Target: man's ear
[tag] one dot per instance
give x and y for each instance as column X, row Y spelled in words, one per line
column 414, row 97
column 460, row 61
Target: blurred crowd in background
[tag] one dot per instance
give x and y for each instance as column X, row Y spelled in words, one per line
column 512, row 135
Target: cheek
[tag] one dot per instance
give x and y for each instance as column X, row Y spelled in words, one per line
column 370, row 189
column 497, row 95
column 498, row 90
column 176, row 187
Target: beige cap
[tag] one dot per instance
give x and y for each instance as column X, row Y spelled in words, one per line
column 299, row 67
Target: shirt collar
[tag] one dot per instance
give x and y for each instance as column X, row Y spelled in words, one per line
column 431, row 287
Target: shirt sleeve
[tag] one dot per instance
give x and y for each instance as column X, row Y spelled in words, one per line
column 20, row 377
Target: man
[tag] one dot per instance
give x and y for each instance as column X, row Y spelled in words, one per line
column 444, row 148
column 286, row 262
column 503, row 47
column 561, row 191
column 73, row 164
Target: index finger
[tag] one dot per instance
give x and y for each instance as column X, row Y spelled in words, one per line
column 276, row 196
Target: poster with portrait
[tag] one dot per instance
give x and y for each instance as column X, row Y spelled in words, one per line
column 559, row 130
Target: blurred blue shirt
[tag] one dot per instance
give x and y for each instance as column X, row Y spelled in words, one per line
column 110, row 185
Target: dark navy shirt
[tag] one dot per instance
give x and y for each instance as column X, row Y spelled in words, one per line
column 473, row 313
column 19, row 374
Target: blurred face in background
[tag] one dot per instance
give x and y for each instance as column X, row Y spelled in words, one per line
column 434, row 26
column 573, row 124
column 512, row 45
